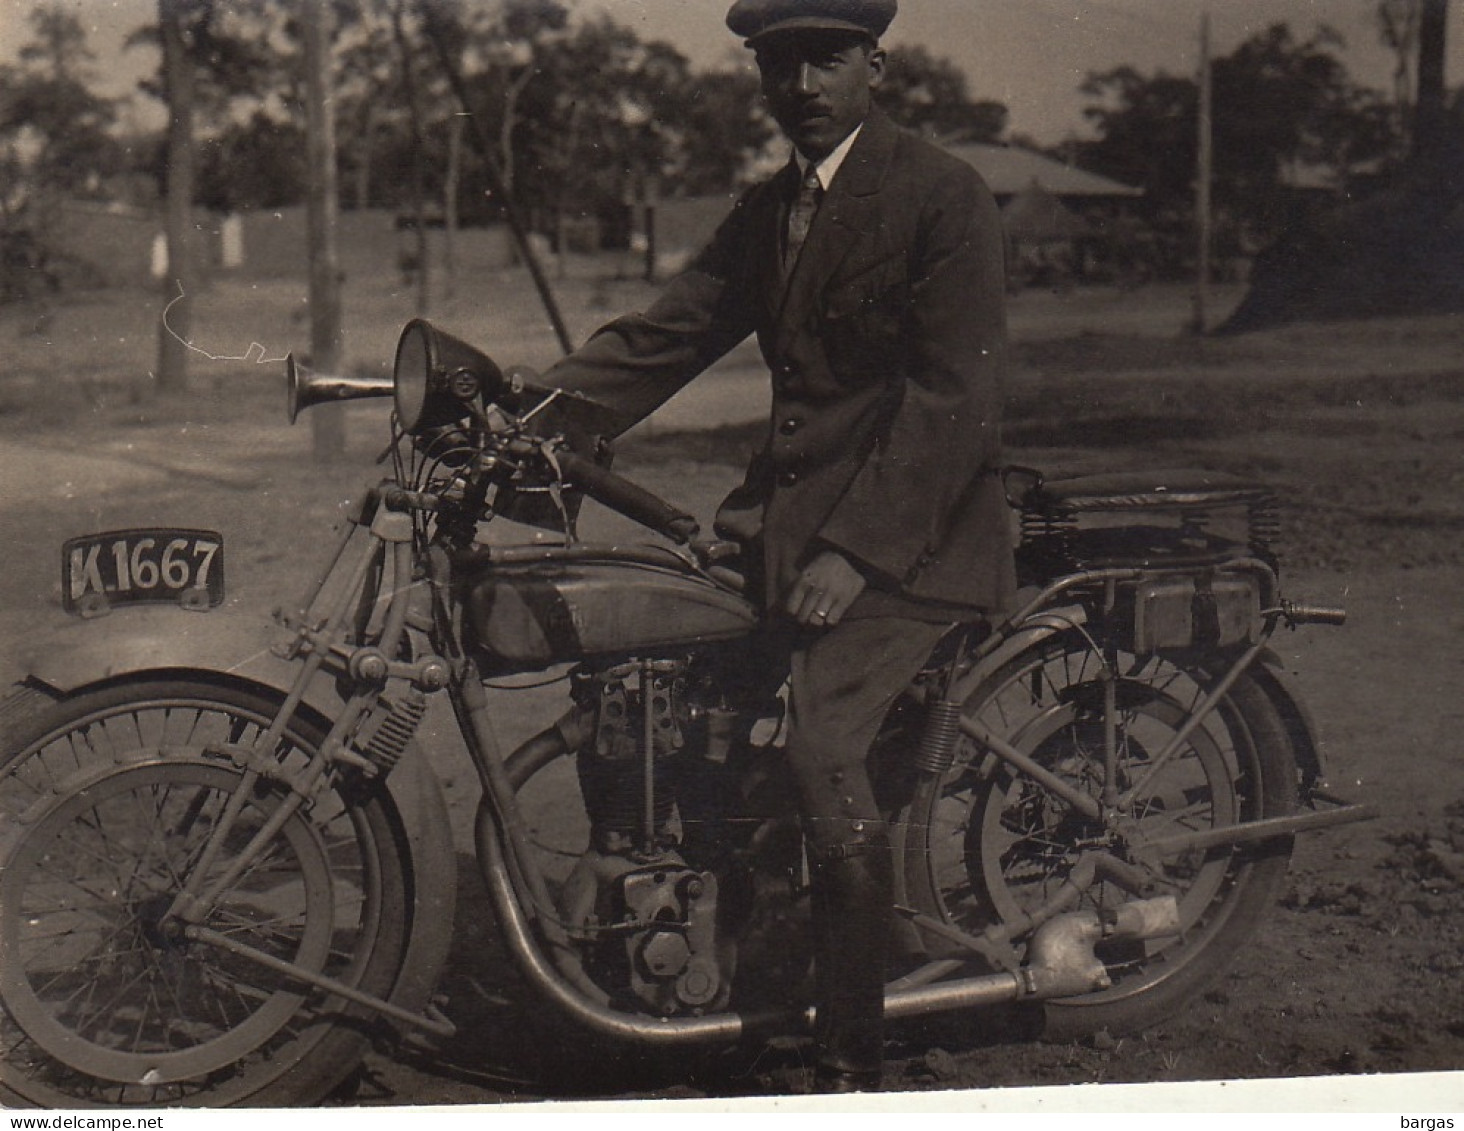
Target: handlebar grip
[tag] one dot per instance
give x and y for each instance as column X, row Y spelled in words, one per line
column 631, row 500
column 1315, row 614
column 395, row 498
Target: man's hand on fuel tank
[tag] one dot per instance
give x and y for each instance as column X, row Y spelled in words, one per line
column 824, row 590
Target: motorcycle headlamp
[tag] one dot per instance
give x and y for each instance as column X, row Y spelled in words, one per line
column 436, row 377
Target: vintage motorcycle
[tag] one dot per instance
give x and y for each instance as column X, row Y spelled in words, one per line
column 224, row 879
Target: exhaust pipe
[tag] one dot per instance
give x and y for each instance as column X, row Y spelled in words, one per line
column 1061, row 963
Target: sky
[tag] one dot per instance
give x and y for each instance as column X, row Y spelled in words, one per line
column 1031, row 55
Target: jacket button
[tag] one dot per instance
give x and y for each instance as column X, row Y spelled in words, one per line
column 787, row 478
column 790, row 425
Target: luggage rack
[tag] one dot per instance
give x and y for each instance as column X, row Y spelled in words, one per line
column 1148, row 519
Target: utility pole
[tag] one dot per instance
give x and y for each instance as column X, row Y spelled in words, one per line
column 1204, row 175
column 327, row 339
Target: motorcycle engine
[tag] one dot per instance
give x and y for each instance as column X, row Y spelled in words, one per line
column 644, row 900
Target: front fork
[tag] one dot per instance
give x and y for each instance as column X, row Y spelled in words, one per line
column 322, row 632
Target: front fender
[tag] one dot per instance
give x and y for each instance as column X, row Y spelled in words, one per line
column 128, row 642
column 168, row 641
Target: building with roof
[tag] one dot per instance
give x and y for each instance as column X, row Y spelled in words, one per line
column 1048, row 206
column 1010, row 170
column 1055, row 214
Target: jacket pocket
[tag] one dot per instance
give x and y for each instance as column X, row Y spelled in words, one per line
column 864, row 329
column 881, row 285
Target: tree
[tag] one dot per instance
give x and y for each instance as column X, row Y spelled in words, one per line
column 366, row 53
column 1282, row 107
column 1290, row 106
column 179, row 91
column 257, row 162
column 1416, row 32
column 717, row 127
column 215, row 53
column 1396, row 249
column 1146, row 130
column 411, row 87
column 328, row 428
column 1431, row 156
column 929, row 95
column 507, row 51
column 591, row 118
column 1397, row 22
column 54, row 144
column 578, row 117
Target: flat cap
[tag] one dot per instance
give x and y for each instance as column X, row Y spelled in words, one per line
column 753, row 19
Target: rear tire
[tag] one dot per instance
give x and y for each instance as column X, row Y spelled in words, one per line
column 107, row 798
column 984, row 842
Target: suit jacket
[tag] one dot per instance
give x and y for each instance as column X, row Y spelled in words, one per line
column 887, row 346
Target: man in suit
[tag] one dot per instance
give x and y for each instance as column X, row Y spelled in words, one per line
column 871, row 270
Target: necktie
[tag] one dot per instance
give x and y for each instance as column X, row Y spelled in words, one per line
column 800, row 217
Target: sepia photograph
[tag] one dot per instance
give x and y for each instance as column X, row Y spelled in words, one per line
column 682, row 556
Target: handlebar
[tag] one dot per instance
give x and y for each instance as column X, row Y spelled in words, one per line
column 395, row 498
column 631, row 500
column 600, row 483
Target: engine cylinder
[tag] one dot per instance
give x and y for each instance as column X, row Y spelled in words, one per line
column 630, row 798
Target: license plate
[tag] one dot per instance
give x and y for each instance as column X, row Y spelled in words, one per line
column 149, row 566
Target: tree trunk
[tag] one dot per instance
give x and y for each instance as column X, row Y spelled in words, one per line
column 450, row 204
column 326, row 336
column 365, row 146
column 419, row 157
column 1430, row 116
column 175, row 326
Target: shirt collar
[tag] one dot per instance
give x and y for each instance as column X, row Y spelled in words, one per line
column 830, row 164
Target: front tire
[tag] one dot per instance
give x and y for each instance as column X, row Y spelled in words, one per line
column 986, row 844
column 107, row 798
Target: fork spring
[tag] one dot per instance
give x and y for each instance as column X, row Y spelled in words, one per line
column 389, row 737
column 938, row 742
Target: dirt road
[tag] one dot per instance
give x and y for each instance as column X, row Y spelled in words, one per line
column 1360, row 970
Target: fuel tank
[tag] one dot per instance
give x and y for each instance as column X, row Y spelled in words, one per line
column 531, row 615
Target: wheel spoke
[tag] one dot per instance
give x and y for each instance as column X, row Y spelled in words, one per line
column 998, row 846
column 97, row 989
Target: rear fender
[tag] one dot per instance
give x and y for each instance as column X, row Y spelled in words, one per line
column 1270, row 673
column 1035, row 629
column 234, row 647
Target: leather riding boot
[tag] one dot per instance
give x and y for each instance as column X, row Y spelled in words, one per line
column 851, row 894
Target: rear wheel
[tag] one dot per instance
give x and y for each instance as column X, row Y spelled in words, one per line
column 987, row 844
column 109, row 798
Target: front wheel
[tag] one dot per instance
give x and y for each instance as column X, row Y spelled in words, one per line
column 108, row 800
column 987, row 844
